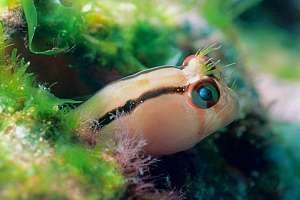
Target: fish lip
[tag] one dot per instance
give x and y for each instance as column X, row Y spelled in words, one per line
column 231, row 101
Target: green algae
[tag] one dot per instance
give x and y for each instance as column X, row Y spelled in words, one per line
column 113, row 39
column 60, row 25
column 40, row 156
column 124, row 38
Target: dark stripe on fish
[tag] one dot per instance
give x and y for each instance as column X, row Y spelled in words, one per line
column 131, row 104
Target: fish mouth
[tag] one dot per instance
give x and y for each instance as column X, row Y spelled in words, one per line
column 228, row 111
column 225, row 111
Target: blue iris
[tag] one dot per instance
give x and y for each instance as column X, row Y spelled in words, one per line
column 205, row 93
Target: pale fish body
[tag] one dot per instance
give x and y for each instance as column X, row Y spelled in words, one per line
column 172, row 108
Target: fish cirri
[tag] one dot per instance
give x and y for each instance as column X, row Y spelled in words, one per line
column 172, row 108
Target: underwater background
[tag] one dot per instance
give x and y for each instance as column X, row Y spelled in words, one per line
column 55, row 54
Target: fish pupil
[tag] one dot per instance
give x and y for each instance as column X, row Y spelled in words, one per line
column 205, row 93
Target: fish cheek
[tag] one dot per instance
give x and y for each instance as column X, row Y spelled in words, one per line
column 167, row 123
column 200, row 115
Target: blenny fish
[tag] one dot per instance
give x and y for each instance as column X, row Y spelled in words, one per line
column 172, row 108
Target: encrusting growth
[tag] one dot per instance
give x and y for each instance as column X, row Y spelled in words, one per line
column 128, row 151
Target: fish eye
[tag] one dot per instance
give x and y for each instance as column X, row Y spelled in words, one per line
column 206, row 94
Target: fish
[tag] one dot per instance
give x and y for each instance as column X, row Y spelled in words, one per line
column 172, row 107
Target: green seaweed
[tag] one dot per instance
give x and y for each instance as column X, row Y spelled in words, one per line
column 244, row 161
column 108, row 39
column 2, row 43
column 37, row 15
column 39, row 150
